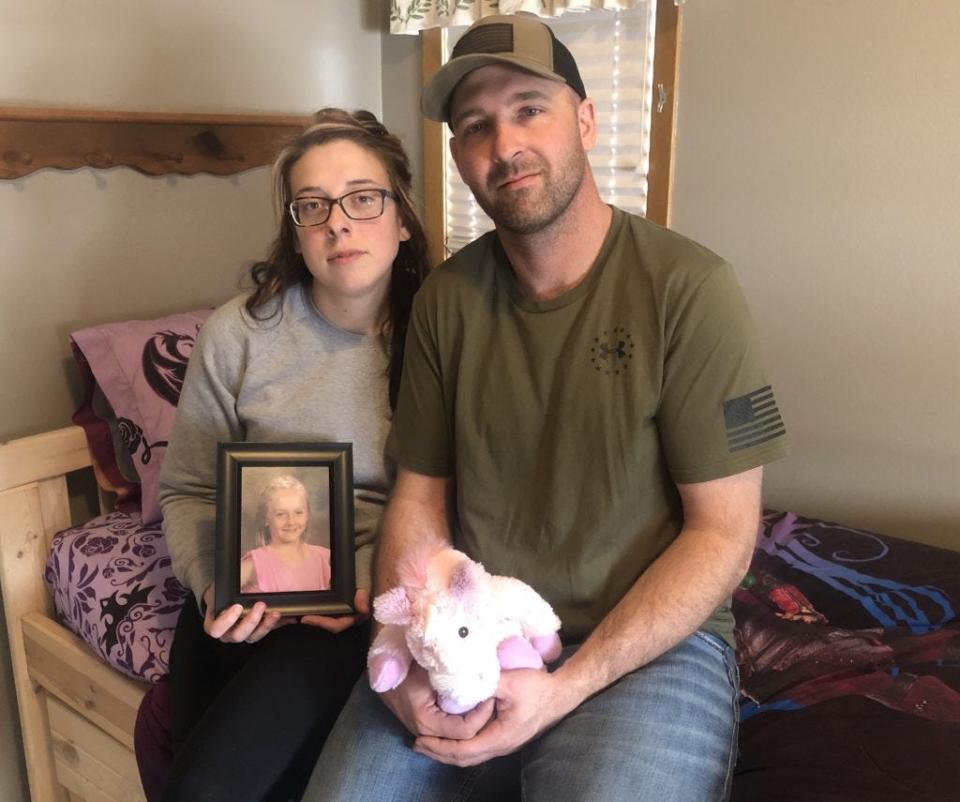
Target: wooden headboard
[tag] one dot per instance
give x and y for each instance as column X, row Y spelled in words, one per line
column 153, row 143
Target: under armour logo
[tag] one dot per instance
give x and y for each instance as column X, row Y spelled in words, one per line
column 605, row 350
column 612, row 351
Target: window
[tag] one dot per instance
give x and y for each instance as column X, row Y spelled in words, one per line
column 628, row 63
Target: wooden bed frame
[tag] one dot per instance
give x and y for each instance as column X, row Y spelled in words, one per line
column 77, row 713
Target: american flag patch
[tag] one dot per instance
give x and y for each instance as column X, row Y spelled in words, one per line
column 752, row 419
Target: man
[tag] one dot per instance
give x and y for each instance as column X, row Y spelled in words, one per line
column 583, row 407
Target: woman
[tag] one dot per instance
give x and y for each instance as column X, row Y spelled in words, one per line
column 313, row 353
column 283, row 559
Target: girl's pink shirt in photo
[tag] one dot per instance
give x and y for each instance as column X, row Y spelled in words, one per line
column 275, row 575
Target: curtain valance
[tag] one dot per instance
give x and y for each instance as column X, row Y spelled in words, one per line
column 412, row 16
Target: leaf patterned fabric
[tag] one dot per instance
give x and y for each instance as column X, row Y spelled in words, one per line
column 412, row 16
column 112, row 585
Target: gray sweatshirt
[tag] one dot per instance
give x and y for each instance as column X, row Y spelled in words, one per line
column 292, row 378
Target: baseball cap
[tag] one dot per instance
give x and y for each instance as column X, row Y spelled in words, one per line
column 515, row 40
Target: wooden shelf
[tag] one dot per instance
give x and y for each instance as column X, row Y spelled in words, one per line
column 152, row 143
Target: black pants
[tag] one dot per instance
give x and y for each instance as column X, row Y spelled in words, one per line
column 249, row 720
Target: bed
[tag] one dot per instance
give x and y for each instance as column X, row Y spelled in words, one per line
column 77, row 713
column 848, row 641
column 848, row 645
column 91, row 605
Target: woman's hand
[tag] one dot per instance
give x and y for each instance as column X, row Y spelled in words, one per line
column 234, row 625
column 361, row 603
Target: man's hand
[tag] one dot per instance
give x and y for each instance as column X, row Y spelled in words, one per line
column 528, row 702
column 234, row 625
column 414, row 702
column 361, row 603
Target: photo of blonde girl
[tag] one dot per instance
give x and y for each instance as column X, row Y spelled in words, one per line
column 283, row 559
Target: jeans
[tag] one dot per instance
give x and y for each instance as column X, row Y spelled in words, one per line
column 665, row 732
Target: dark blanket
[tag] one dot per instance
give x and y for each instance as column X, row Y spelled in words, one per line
column 849, row 651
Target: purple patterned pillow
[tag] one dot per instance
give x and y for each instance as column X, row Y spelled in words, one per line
column 139, row 366
column 112, row 584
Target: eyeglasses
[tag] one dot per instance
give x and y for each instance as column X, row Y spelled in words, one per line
column 361, row 204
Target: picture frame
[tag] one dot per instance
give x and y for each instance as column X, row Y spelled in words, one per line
column 284, row 527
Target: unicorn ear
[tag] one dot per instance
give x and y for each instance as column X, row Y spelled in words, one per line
column 392, row 607
column 465, row 578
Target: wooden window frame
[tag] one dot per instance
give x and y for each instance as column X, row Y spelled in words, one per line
column 663, row 126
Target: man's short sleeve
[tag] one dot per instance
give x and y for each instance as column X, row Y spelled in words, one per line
column 718, row 415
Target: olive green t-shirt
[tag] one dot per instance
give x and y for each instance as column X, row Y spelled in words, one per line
column 567, row 423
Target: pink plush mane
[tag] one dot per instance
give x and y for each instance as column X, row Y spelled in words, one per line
column 412, row 568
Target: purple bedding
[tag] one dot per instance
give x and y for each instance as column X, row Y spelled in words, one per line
column 112, row 585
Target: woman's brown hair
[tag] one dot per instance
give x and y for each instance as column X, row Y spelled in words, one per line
column 284, row 266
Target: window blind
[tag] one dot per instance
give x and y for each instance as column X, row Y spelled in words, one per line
column 614, row 51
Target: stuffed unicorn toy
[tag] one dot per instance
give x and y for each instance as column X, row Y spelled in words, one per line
column 462, row 625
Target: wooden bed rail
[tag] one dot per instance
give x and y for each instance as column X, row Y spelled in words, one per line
column 30, row 459
column 76, row 713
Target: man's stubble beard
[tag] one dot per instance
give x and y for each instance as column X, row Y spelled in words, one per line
column 530, row 211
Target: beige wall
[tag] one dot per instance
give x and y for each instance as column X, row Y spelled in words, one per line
column 400, row 56
column 817, row 150
column 83, row 247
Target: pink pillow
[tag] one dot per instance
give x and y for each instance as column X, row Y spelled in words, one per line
column 139, row 367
